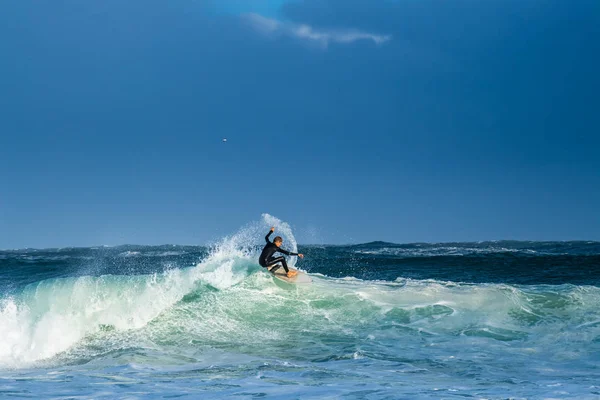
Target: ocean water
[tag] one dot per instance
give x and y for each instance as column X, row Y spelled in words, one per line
column 490, row 320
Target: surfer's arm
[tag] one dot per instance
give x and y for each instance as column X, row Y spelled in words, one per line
column 289, row 253
column 269, row 234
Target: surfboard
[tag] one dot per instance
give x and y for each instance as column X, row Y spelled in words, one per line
column 301, row 278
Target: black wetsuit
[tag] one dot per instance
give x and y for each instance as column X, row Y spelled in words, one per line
column 266, row 258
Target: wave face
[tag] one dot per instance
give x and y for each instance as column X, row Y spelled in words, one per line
column 487, row 320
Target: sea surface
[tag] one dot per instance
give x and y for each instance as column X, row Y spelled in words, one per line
column 486, row 320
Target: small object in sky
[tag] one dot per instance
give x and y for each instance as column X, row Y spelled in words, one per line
column 224, row 140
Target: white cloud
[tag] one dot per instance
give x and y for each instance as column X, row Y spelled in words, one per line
column 269, row 26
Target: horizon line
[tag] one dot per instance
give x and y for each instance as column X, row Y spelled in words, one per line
column 313, row 244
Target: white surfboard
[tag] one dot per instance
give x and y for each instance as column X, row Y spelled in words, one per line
column 301, row 278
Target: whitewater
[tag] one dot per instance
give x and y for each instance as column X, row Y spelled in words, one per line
column 489, row 320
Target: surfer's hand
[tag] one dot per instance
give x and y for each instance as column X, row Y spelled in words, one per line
column 301, row 255
column 272, row 229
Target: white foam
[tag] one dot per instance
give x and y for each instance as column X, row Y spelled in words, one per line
column 50, row 316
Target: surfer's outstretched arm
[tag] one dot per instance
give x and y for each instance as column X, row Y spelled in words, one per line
column 289, row 253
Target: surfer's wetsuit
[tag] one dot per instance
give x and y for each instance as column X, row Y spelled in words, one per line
column 266, row 258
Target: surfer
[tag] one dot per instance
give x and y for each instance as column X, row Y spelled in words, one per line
column 266, row 259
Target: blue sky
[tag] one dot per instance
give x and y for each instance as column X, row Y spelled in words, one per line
column 354, row 120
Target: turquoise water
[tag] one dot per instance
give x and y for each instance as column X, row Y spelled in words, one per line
column 520, row 320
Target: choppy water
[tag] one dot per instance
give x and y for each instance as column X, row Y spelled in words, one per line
column 478, row 320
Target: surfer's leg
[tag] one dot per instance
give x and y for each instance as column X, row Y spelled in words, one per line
column 284, row 265
column 277, row 260
column 274, row 268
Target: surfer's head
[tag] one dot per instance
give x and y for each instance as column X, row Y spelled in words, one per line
column 278, row 240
